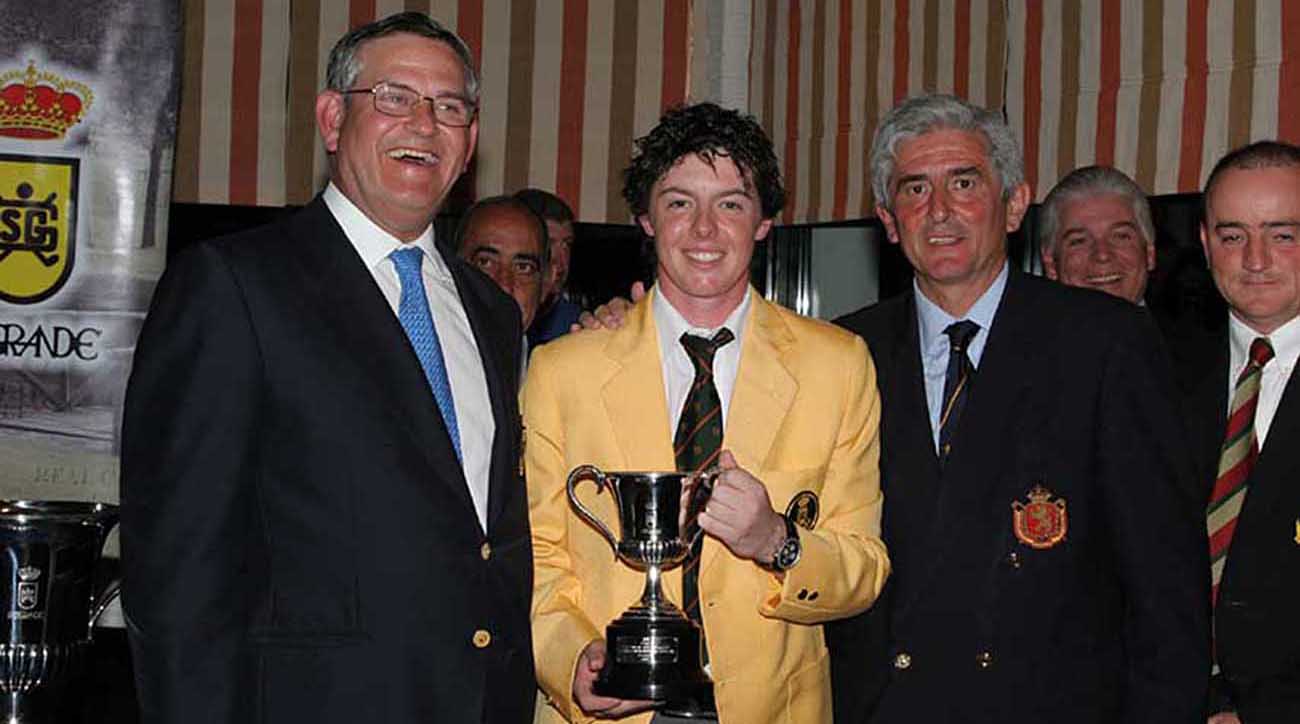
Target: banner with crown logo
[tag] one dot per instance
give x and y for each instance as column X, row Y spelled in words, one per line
column 88, row 98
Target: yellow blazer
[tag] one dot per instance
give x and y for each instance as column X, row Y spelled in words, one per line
column 804, row 415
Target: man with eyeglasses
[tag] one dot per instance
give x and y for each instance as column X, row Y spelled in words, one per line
column 323, row 518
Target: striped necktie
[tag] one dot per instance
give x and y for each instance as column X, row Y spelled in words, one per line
column 957, row 381
column 696, row 445
column 413, row 313
column 1240, row 449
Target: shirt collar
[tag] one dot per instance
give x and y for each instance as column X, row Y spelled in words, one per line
column 1285, row 340
column 933, row 320
column 672, row 325
column 372, row 243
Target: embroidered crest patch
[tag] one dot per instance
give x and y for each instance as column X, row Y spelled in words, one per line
column 1042, row 521
column 803, row 509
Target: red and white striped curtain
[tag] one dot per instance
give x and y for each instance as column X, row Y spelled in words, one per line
column 1158, row 88
column 566, row 86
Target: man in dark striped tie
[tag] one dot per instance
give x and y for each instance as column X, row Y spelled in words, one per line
column 705, row 372
column 1244, row 409
column 1050, row 561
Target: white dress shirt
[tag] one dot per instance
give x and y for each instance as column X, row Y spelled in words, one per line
column 679, row 371
column 459, row 350
column 1272, row 383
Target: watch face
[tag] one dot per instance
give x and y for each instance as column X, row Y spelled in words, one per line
column 788, row 555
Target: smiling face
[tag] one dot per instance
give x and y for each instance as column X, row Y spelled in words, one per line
column 1252, row 218
column 397, row 170
column 1099, row 245
column 947, row 213
column 705, row 220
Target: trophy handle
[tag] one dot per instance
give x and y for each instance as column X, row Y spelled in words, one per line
column 101, row 602
column 594, row 474
column 702, row 488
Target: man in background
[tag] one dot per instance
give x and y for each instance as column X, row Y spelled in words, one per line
column 322, row 515
column 1096, row 233
column 504, row 239
column 557, row 314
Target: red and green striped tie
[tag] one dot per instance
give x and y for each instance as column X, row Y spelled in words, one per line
column 1240, row 449
column 696, row 445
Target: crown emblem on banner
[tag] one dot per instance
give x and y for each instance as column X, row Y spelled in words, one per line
column 40, row 105
column 29, row 573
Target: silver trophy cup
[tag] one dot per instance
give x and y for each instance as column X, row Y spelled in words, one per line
column 51, row 550
column 653, row 649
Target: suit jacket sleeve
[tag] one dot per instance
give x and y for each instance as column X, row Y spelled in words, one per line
column 1157, row 533
column 843, row 560
column 560, row 628
column 188, row 520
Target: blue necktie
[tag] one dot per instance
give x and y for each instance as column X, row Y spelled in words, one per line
column 413, row 312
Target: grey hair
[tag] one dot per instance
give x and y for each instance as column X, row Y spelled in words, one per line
column 923, row 114
column 1086, row 182
column 344, row 66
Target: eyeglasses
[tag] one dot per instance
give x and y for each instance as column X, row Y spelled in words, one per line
column 393, row 99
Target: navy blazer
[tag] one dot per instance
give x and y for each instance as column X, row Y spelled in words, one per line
column 298, row 540
column 982, row 624
column 1257, row 617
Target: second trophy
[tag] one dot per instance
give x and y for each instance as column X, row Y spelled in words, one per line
column 653, row 649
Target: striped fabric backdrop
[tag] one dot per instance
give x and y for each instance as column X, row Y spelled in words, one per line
column 567, row 84
column 823, row 73
column 1157, row 88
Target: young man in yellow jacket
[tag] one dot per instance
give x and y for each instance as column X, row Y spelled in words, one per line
column 798, row 413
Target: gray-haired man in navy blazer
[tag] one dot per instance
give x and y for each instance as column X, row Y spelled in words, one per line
column 1049, row 561
column 323, row 519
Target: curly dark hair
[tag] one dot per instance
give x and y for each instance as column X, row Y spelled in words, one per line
column 708, row 131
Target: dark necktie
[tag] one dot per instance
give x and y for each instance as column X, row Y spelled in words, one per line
column 696, row 446
column 1236, row 459
column 413, row 313
column 956, row 383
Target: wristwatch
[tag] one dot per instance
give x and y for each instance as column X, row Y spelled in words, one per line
column 788, row 554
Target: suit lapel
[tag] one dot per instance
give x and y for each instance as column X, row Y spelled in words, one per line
column 970, row 472
column 369, row 334
column 501, row 382
column 1272, row 478
column 762, row 395
column 635, row 407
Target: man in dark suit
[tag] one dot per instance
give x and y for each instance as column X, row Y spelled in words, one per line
column 1048, row 561
column 323, row 519
column 1247, row 460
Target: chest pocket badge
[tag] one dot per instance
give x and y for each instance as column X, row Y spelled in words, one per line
column 803, row 509
column 1041, row 522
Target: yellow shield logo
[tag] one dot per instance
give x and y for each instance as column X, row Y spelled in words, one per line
column 38, row 203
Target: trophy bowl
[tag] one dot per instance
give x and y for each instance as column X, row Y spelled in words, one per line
column 51, row 550
column 652, row 649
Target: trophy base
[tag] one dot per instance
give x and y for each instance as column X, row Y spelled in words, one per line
column 653, row 655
